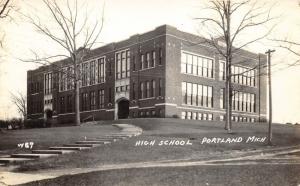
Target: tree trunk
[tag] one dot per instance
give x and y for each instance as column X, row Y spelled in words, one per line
column 77, row 111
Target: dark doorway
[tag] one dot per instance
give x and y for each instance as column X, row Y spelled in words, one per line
column 123, row 109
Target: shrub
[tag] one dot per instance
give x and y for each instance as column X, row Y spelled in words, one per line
column 35, row 123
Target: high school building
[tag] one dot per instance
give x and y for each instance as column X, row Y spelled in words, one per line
column 161, row 73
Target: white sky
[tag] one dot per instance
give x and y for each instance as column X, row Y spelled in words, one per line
column 126, row 18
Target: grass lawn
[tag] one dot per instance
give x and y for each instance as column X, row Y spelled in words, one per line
column 46, row 137
column 233, row 175
column 125, row 151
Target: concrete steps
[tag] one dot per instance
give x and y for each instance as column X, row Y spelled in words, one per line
column 69, row 148
column 127, row 131
column 82, row 145
column 92, row 142
column 4, row 161
column 50, row 151
column 32, row 156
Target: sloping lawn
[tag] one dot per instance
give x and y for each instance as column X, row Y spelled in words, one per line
column 46, row 137
column 126, row 151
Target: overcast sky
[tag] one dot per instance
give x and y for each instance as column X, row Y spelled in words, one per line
column 126, row 18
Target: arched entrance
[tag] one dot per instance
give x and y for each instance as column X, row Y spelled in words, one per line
column 123, row 109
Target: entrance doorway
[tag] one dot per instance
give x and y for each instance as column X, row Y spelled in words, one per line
column 123, row 109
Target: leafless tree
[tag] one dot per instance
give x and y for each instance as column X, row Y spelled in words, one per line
column 72, row 31
column 5, row 8
column 230, row 20
column 19, row 100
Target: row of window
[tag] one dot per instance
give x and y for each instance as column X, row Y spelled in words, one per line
column 197, row 95
column 148, row 60
column 123, row 88
column 241, row 101
column 89, row 101
column 239, row 119
column 240, row 75
column 197, row 65
column 147, row 113
column 147, row 89
column 35, row 87
column 196, row 116
column 123, row 64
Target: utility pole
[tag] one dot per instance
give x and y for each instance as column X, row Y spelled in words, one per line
column 270, row 96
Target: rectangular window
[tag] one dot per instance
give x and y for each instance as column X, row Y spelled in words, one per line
column 183, row 63
column 195, row 68
column 184, row 93
column 147, row 60
column 160, row 86
column 222, row 71
column 70, row 103
column 194, row 96
column 189, row 93
column 222, row 96
column 84, row 97
column 142, row 90
column 209, row 97
column 92, row 72
column 61, row 104
column 133, row 64
column 127, row 63
column 142, row 61
column 92, row 100
column 200, row 95
column 101, row 70
column 153, row 59
column 160, row 56
column 153, row 88
column 147, row 89
column 101, row 98
column 183, row 115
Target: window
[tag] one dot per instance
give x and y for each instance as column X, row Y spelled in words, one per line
column 204, row 116
column 122, row 64
column 142, row 90
column 101, row 99
column 142, row 61
column 189, row 115
column 160, row 85
column 197, row 95
column 84, row 98
column 152, row 89
column 62, row 104
column 194, row 116
column 92, row 73
column 109, row 95
column 92, row 100
column 133, row 64
column 85, row 74
column 147, row 60
column 210, row 117
column 183, row 115
column 222, row 96
column 199, row 116
column 222, row 70
column 101, row 70
column 153, row 61
column 69, row 103
column 196, row 65
column 160, row 56
column 147, row 89
column 48, row 83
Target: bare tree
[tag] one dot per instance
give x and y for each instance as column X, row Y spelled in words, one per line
column 5, row 8
column 72, row 31
column 19, row 100
column 230, row 20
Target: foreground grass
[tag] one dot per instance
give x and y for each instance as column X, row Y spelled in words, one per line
column 234, row 175
column 46, row 137
column 126, row 151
